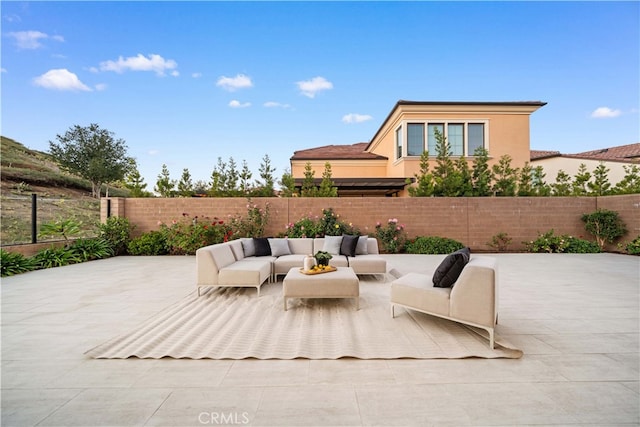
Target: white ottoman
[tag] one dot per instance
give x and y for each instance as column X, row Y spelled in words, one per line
column 342, row 283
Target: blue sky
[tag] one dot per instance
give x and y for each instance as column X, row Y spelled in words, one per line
column 186, row 83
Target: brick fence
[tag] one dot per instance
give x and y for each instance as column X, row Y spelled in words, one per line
column 470, row 220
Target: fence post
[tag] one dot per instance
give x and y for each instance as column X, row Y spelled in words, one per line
column 108, row 208
column 34, row 218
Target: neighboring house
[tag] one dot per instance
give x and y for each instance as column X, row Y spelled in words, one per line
column 382, row 166
column 614, row 158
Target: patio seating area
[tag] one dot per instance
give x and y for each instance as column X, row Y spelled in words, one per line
column 576, row 317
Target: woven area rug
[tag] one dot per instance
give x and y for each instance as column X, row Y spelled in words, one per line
column 233, row 323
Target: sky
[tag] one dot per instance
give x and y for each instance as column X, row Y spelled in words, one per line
column 187, row 83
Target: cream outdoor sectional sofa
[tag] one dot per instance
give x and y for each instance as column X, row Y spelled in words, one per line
column 472, row 299
column 234, row 263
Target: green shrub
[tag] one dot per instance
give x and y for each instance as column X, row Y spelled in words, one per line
column 14, row 263
column 251, row 225
column 433, row 245
column 392, row 236
column 55, row 257
column 547, row 242
column 605, row 225
column 329, row 224
column 116, row 231
column 581, row 246
column 186, row 236
column 151, row 243
column 500, row 242
column 633, row 247
column 90, row 249
column 550, row 242
column 62, row 227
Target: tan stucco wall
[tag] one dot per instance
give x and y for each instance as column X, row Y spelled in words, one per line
column 507, row 133
column 569, row 165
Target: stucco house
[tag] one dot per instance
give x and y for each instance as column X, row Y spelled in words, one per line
column 381, row 166
column 613, row 158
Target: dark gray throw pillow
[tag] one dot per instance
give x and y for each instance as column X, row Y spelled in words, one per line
column 348, row 245
column 450, row 268
column 262, row 246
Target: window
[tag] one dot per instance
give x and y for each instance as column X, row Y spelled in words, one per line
column 432, row 144
column 415, row 139
column 455, row 138
column 476, row 137
column 399, row 143
column 463, row 137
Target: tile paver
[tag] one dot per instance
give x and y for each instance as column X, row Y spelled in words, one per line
column 575, row 316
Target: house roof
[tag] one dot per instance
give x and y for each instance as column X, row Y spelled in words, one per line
column 337, row 152
column 543, row 154
column 620, row 153
column 625, row 153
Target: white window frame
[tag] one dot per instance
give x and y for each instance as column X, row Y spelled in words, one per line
column 445, row 122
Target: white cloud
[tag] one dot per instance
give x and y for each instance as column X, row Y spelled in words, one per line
column 3, row 70
column 153, row 152
column 309, row 88
column 32, row 39
column 605, row 113
column 196, row 75
column 153, row 62
column 237, row 104
column 101, row 86
column 272, row 104
column 356, row 118
column 175, row 73
column 60, row 79
column 233, row 83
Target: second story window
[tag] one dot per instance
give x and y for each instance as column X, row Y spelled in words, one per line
column 415, row 139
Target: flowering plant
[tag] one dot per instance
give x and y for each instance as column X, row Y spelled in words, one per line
column 187, row 235
column 253, row 224
column 392, row 236
column 329, row 224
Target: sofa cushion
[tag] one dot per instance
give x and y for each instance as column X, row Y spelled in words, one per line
column 450, row 268
column 222, row 255
column 262, row 246
column 279, row 247
column 248, row 246
column 348, row 245
column 361, row 247
column 332, row 244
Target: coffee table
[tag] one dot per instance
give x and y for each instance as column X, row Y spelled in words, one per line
column 342, row 283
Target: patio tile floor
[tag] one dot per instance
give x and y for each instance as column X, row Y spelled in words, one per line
column 576, row 317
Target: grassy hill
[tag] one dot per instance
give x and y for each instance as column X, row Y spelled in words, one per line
column 59, row 194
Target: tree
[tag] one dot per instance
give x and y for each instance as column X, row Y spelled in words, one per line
column 600, row 184
column 525, row 180
column 630, row 183
column 288, row 184
column 134, row 182
column 481, row 176
column 580, row 181
column 540, row 187
column 265, row 186
column 165, row 185
column 218, row 179
column 466, row 181
column 185, row 185
column 308, row 187
column 562, row 186
column 505, row 177
column 92, row 153
column 605, row 225
column 231, row 182
column 424, row 180
column 446, row 177
column 327, row 189
column 245, row 178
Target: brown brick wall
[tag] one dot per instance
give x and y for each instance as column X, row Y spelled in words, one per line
column 472, row 221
